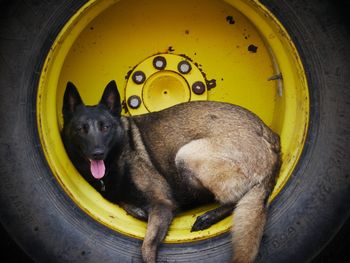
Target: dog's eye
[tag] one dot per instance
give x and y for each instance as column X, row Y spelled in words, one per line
column 79, row 130
column 104, row 128
column 82, row 129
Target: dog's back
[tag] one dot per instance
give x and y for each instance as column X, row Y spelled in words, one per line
column 229, row 130
column 217, row 148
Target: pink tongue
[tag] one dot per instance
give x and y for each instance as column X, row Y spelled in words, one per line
column 97, row 168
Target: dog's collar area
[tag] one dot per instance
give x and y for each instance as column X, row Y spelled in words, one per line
column 103, row 186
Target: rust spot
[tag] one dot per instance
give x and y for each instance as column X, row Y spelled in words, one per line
column 211, row 84
column 252, row 48
column 187, row 32
column 230, row 20
column 199, row 66
column 127, row 76
column 186, row 57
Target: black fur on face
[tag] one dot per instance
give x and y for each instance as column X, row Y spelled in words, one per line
column 92, row 130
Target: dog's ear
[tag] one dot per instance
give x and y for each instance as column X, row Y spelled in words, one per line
column 71, row 100
column 111, row 99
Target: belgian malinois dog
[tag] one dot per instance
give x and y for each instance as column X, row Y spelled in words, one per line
column 192, row 153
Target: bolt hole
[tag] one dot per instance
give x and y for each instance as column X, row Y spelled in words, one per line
column 134, row 101
column 159, row 62
column 184, row 67
column 139, row 77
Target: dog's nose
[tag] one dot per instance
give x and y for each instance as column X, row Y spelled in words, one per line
column 98, row 154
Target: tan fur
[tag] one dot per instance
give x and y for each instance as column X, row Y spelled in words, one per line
column 249, row 220
column 235, row 171
column 144, row 175
column 217, row 147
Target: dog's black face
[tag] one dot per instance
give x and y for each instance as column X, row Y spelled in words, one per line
column 93, row 131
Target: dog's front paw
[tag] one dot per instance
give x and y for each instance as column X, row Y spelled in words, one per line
column 135, row 211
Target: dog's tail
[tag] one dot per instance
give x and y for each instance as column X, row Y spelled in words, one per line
column 249, row 220
column 249, row 217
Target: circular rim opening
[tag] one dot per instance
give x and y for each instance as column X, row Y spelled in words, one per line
column 282, row 99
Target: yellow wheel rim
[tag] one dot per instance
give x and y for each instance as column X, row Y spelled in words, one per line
column 241, row 51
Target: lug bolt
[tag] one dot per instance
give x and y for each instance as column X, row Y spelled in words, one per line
column 139, row 77
column 184, row 67
column 198, row 87
column 159, row 63
column 134, row 101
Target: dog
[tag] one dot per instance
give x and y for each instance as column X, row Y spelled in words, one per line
column 158, row 163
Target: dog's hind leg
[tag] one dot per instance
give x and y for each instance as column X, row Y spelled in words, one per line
column 219, row 170
column 212, row 217
column 210, row 166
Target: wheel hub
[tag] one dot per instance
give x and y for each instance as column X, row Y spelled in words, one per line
column 162, row 81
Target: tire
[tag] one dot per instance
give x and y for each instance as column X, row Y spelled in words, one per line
column 49, row 226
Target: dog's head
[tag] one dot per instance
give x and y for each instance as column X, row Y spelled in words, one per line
column 93, row 131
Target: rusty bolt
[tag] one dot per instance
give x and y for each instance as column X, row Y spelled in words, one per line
column 139, row 77
column 159, row 63
column 184, row 67
column 198, row 87
column 134, row 101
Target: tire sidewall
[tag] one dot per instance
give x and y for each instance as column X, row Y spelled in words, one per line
column 314, row 204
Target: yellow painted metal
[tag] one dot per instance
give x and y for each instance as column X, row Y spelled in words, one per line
column 163, row 88
column 238, row 43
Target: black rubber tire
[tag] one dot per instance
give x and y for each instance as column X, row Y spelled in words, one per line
column 50, row 227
